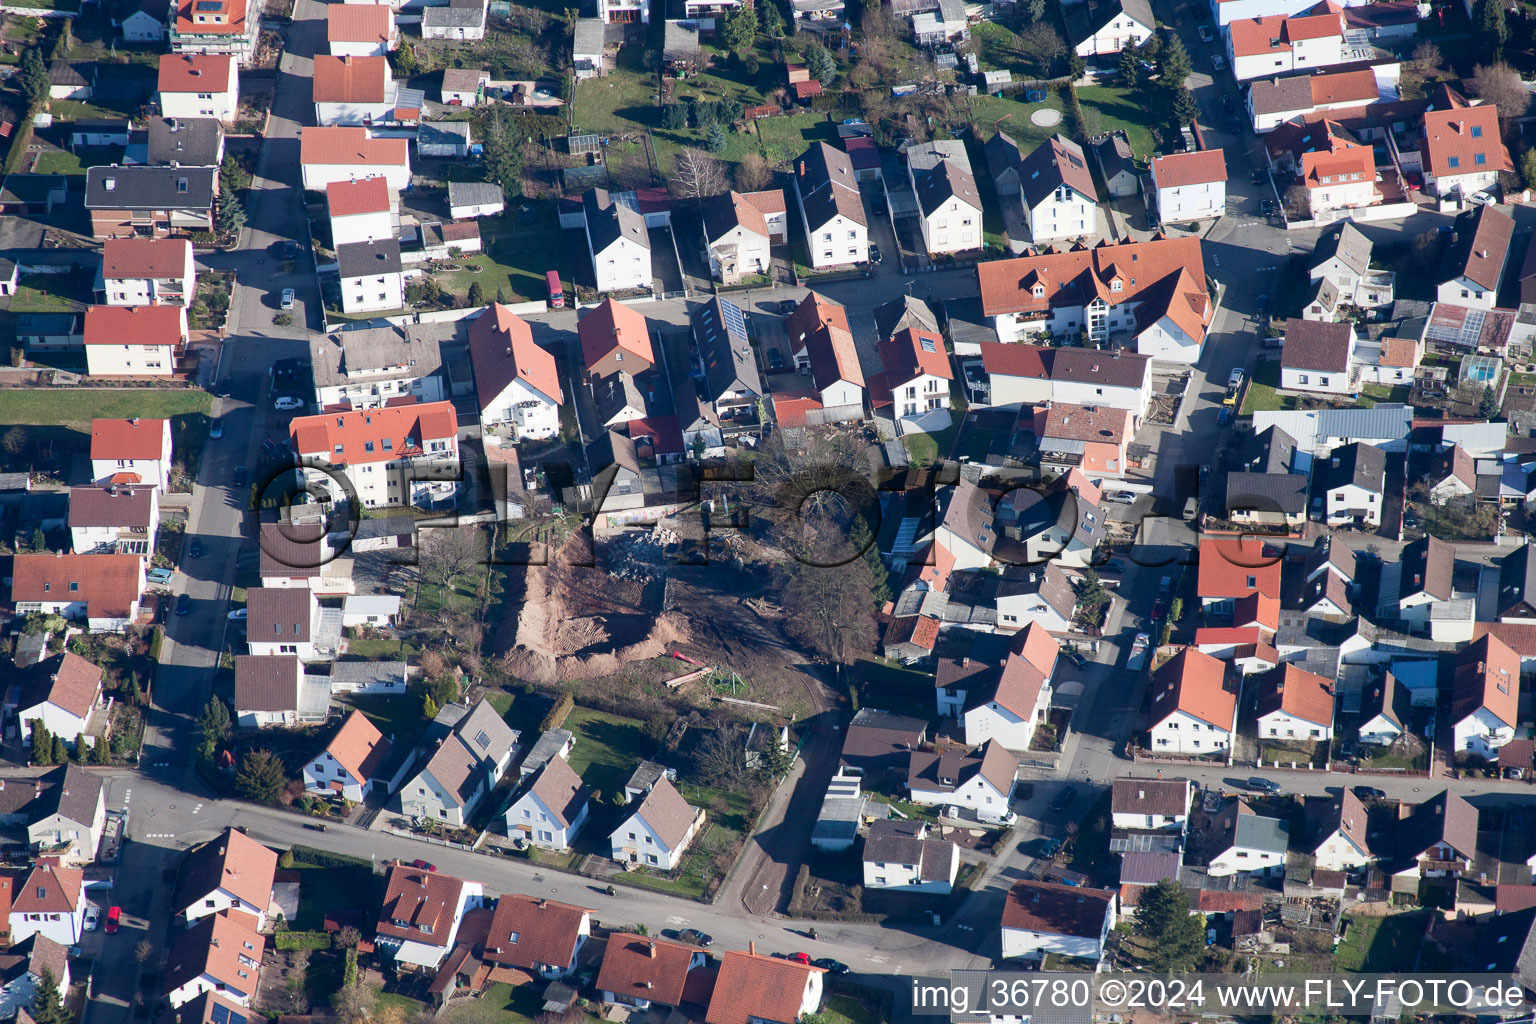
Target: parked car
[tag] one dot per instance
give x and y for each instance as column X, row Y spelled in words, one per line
column 1159, row 608
column 694, row 937
column 216, row 429
column 1165, row 585
column 114, row 920
column 195, row 549
column 1064, row 799
column 1207, row 34
column 1410, row 520
column 1234, row 125
column 775, row 359
column 238, row 615
column 1258, row 176
column 787, row 306
column 830, row 965
column 1218, row 62
column 92, row 917
column 160, row 577
column 240, row 477
column 286, row 403
column 1123, row 497
column 183, row 604
column 874, row 255
column 423, row 865
column 1224, row 416
column 1075, row 658
column 1260, row 784
column 801, row 958
column 1138, row 656
column 291, row 251
column 1047, row 847
column 286, row 302
column 1235, row 377
column 1372, row 793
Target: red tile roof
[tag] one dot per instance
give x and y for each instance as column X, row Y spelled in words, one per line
column 1277, row 33
column 1237, row 566
column 1052, row 909
column 128, row 439
column 1226, row 635
column 364, row 195
column 419, row 905
column 814, row 312
column 231, row 23
column 357, row 23
column 637, row 967
column 350, row 79
column 1339, row 163
column 231, row 861
column 611, row 326
column 359, row 747
column 49, row 889
column 502, row 349
column 1344, row 86
column 1486, row 675
column 1193, row 168
column 1012, row 359
column 1464, row 133
column 144, row 258
column 361, row 434
column 66, row 680
column 194, row 72
column 1257, row 609
column 751, row 985
column 1030, row 662
column 527, row 931
column 1101, row 424
column 350, row 146
column 1194, row 683
column 144, row 325
column 1509, row 898
column 790, row 407
column 1298, row 693
column 107, row 584
column 911, row 352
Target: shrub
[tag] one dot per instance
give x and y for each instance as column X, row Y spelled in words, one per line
column 559, row 713
column 302, row 940
column 327, row 859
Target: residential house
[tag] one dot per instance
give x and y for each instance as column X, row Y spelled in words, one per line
column 1084, row 437
column 221, row 954
column 230, row 874
column 1338, row 173
column 1056, row 188
column 370, row 367
column 345, row 153
column 420, row 918
column 183, row 142
column 900, row 858
column 470, row 199
column 1461, row 150
column 62, row 813
column 460, row 20
column 916, row 375
column 656, row 833
column 737, row 236
column 1385, row 707
column 732, row 383
column 1232, row 568
column 812, row 314
column 1142, row 804
column 1248, row 843
column 980, row 784
column 361, row 30
column 831, row 209
column 1517, row 586
column 552, row 809
column 372, row 276
column 21, row 972
column 361, row 209
column 1274, row 500
column 1419, row 584
column 199, row 85
column 1117, row 164
column 60, row 691
column 1485, row 696
column 1194, row 710
column 1338, row 838
column 948, row 205
column 1003, row 162
column 1101, row 28
column 216, row 27
column 1067, row 920
column 1352, row 480
column 1190, row 186
column 71, row 80
column 1474, row 263
column 397, row 455
column 267, row 688
column 617, row 241
column 1062, row 523
column 1275, row 101
column 1153, row 292
column 1451, row 474
column 128, row 202
column 877, row 742
column 353, row 763
column 145, row 22
column 464, row 87
column 516, row 380
column 1010, row 710
column 835, row 370
column 100, row 590
column 116, row 519
column 1039, row 594
column 353, row 90
column 1279, row 44
column 1294, row 704
column 587, row 48
column 1341, row 262
column 752, row 986
column 282, row 620
column 537, row 935
column 1434, row 839
column 133, row 341
column 644, row 971
column 1319, row 356
column 147, row 272
column 49, row 902
column 1031, row 375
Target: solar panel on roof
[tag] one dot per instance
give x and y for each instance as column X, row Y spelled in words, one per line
column 735, row 322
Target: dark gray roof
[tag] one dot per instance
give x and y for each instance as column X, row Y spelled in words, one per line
column 474, row 193
column 31, row 188
column 827, row 186
column 1046, row 580
column 1360, row 464
column 71, row 72
column 443, row 133
column 1055, row 162
column 966, row 323
column 35, row 796
column 1002, row 153
column 379, row 353
column 1517, row 578
column 1084, row 19
column 549, row 743
column 1343, row 240
column 1267, row 492
column 1272, row 450
column 363, row 259
column 1279, row 95
column 1389, row 698
column 187, row 141
column 720, row 330
column 149, row 188
column 608, row 221
column 1257, row 832
column 945, row 182
column 456, row 15
column 902, row 312
column 1115, row 155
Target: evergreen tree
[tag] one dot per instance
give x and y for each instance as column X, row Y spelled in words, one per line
column 862, row 541
column 39, row 541
column 1130, row 68
column 260, row 777
column 42, row 743
column 215, row 725
column 476, row 294
column 503, row 151
column 34, row 77
column 740, row 29
column 714, row 139
column 100, row 754
column 1528, row 167
column 1185, row 109
column 404, row 61
column 231, row 215
column 60, row 751
column 429, row 707
column 501, row 294
column 1173, row 64
column 1488, row 405
column 674, row 117
column 1177, row 937
column 1490, row 27
column 46, row 1000
column 1034, row 10
column 771, row 20
column 233, row 177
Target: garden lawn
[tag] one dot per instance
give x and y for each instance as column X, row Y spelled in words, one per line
column 891, row 687
column 397, row 716
column 57, row 162
column 607, row 748
column 51, row 293
column 784, row 138
column 697, row 871
column 1382, row 945
column 840, row 1009
column 517, row 257
column 1105, row 108
column 500, row 1004
column 380, row 648
column 53, row 407
column 621, row 101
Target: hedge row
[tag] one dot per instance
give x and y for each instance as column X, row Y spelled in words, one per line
column 326, row 859
column 302, row 940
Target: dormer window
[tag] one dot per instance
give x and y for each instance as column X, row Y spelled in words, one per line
column 1117, row 285
column 1038, row 291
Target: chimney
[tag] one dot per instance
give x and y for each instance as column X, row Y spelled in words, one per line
column 37, row 787
column 133, row 421
column 751, row 948
column 653, row 951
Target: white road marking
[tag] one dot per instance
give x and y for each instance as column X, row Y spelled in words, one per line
column 675, row 919
column 160, row 835
column 197, row 808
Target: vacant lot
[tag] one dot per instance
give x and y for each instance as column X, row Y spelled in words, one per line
column 1382, row 945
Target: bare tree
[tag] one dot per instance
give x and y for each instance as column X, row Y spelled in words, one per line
column 829, row 607
column 1042, row 44
column 1426, row 61
column 449, row 553
column 813, row 490
column 722, row 754
column 698, row 175
column 354, row 1004
column 1500, row 85
column 753, row 173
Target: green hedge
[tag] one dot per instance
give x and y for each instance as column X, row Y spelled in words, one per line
column 302, row 940
column 327, row 859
